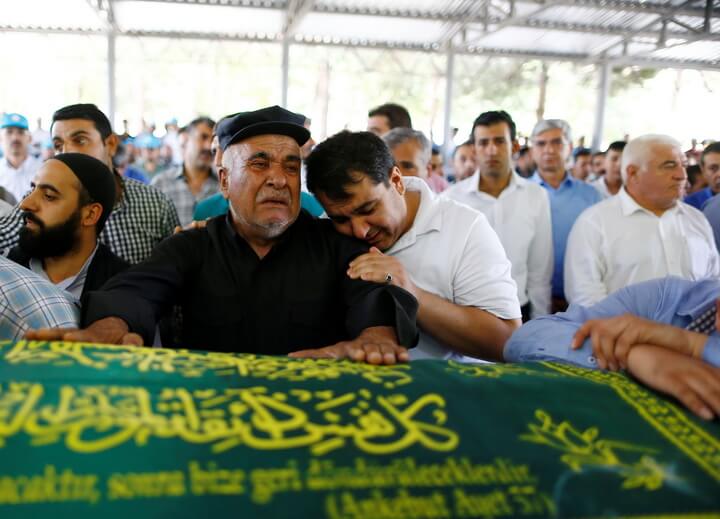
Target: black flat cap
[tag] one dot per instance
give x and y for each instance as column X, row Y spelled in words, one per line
column 272, row 120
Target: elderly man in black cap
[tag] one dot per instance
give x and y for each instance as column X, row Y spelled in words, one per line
column 264, row 278
column 72, row 196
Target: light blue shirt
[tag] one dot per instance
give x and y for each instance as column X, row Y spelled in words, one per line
column 711, row 210
column 570, row 199
column 28, row 301
column 669, row 300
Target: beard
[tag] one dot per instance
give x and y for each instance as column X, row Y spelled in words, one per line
column 49, row 242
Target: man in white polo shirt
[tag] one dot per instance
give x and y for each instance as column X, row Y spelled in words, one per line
column 17, row 166
column 518, row 210
column 444, row 253
column 642, row 233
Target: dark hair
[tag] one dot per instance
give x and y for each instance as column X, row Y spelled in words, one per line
column 466, row 143
column 581, row 152
column 523, row 151
column 88, row 112
column 435, row 150
column 345, row 158
column 397, row 115
column 493, row 117
column 617, row 146
column 710, row 148
column 207, row 121
column 693, row 173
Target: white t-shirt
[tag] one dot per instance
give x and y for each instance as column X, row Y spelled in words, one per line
column 17, row 181
column 452, row 252
column 602, row 188
column 521, row 218
column 617, row 242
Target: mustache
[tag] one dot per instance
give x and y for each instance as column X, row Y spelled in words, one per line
column 29, row 217
column 272, row 194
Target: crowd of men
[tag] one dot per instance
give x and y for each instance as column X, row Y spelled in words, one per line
column 251, row 237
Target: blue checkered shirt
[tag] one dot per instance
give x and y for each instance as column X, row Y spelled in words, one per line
column 28, row 302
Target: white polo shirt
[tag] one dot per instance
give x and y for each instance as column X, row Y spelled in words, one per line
column 17, row 181
column 601, row 186
column 617, row 242
column 521, row 218
column 452, row 252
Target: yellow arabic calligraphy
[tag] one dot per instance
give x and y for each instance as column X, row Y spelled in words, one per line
column 97, row 418
column 585, row 448
column 193, row 364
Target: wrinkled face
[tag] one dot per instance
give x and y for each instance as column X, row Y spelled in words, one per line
column 15, row 141
column 374, row 213
column 660, row 179
column 260, row 177
column 409, row 157
column 710, row 167
column 612, row 165
column 551, row 150
column 598, row 165
column 197, row 150
column 436, row 164
column 581, row 167
column 464, row 162
column 81, row 136
column 379, row 125
column 493, row 150
column 51, row 212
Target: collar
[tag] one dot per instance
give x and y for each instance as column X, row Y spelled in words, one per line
column 629, row 206
column 428, row 217
column 36, row 266
column 568, row 180
column 470, row 185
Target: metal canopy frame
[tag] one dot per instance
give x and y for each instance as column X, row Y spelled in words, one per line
column 648, row 33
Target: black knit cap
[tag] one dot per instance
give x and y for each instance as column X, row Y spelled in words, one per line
column 272, row 120
column 95, row 177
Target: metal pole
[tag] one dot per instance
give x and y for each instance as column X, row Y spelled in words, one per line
column 285, row 71
column 111, row 76
column 603, row 91
column 708, row 15
column 449, row 79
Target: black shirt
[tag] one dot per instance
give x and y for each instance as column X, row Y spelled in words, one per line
column 298, row 296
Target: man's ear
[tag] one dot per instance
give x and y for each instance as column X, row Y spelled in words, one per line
column 91, row 213
column 111, row 143
column 223, row 177
column 515, row 146
column 396, row 180
column 631, row 172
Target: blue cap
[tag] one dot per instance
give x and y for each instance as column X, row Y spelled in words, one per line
column 14, row 121
column 148, row 141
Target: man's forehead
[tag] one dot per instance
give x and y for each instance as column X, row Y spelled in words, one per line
column 550, row 133
column 271, row 144
column 492, row 130
column 68, row 126
column 56, row 173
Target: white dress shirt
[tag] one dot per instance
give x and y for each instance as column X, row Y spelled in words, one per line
column 617, row 242
column 17, row 181
column 452, row 252
column 601, row 186
column 521, row 219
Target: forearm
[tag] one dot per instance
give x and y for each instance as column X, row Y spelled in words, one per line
column 467, row 330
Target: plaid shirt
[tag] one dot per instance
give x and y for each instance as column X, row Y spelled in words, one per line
column 174, row 184
column 140, row 221
column 28, row 301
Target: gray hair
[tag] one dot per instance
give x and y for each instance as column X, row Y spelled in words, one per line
column 639, row 150
column 397, row 136
column 551, row 124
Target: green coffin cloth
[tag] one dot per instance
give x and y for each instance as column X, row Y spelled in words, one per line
column 113, row 431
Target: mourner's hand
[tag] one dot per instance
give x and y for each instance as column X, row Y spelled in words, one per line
column 691, row 381
column 110, row 330
column 613, row 338
column 376, row 267
column 376, row 345
column 195, row 224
